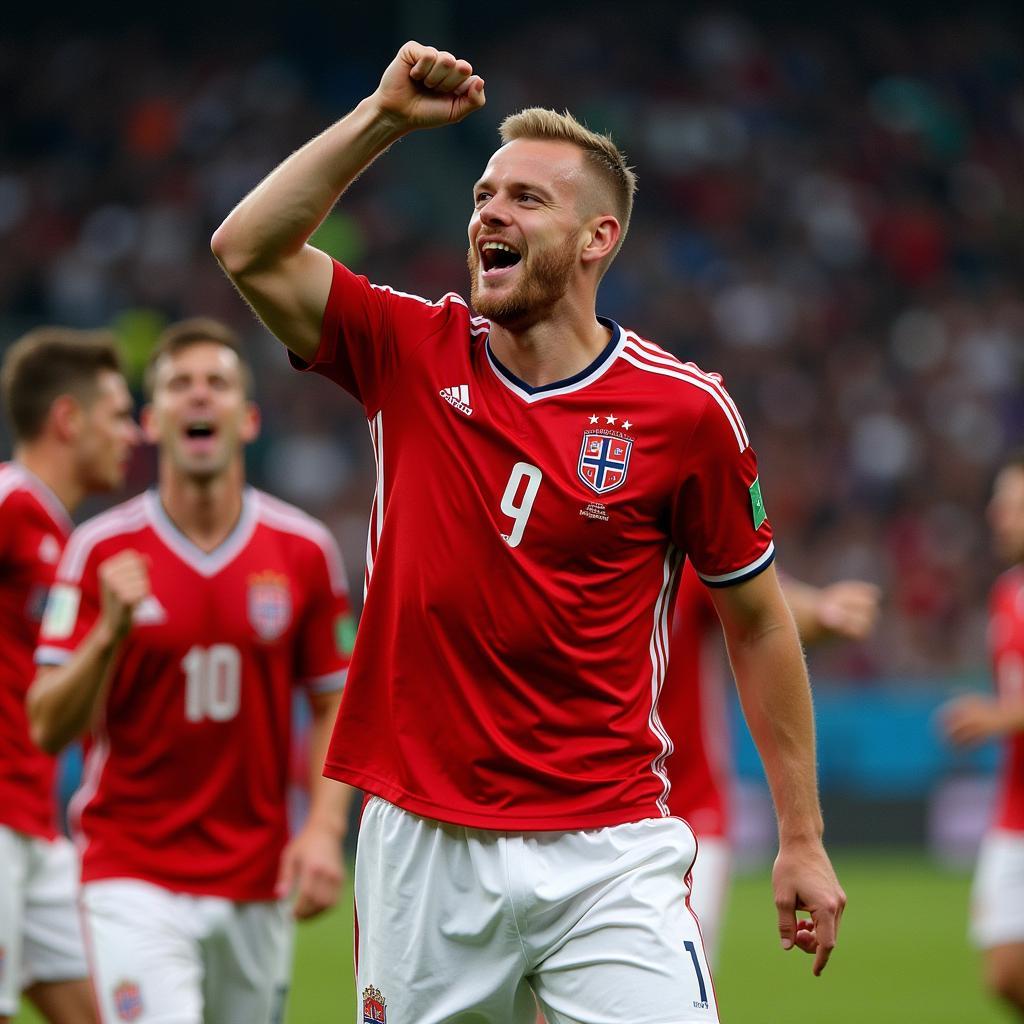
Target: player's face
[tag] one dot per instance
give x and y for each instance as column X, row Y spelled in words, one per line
column 526, row 229
column 107, row 435
column 200, row 416
column 1006, row 514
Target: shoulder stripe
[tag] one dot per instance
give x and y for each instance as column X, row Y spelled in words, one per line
column 126, row 518
column 288, row 519
column 437, row 303
column 9, row 482
column 737, row 427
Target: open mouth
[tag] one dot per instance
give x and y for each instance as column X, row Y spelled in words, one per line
column 496, row 257
column 200, row 434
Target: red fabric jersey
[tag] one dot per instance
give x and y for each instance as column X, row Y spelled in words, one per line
column 525, row 545
column 34, row 526
column 1006, row 640
column 694, row 712
column 185, row 779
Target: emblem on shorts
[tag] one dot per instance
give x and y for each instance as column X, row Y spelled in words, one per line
column 270, row 604
column 604, row 459
column 128, row 1000
column 375, row 1009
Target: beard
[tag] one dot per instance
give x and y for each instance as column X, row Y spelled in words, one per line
column 543, row 280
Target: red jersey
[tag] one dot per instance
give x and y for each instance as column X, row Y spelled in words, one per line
column 695, row 714
column 34, row 526
column 185, row 779
column 525, row 545
column 1006, row 640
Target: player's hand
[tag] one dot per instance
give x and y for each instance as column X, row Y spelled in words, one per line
column 849, row 608
column 425, row 88
column 311, row 870
column 972, row 719
column 124, row 584
column 804, row 879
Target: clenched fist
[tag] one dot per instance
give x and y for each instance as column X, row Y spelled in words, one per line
column 124, row 584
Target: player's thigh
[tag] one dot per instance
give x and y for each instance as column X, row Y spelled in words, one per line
column 247, row 956
column 14, row 863
column 435, row 939
column 53, row 951
column 144, row 953
column 1004, row 971
column 633, row 951
column 997, row 896
column 709, row 886
column 64, row 1002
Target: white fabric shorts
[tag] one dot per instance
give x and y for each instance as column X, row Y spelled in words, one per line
column 997, row 897
column 467, row 925
column 40, row 934
column 709, row 887
column 162, row 957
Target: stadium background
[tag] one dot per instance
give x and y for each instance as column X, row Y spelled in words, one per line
column 831, row 214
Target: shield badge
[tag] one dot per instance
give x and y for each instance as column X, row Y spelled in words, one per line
column 604, row 460
column 269, row 603
column 374, row 1006
column 128, row 1000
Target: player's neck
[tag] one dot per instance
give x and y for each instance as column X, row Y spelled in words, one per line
column 550, row 350
column 205, row 511
column 54, row 466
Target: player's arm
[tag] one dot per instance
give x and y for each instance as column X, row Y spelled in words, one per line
column 263, row 244
column 62, row 700
column 775, row 693
column 975, row 718
column 311, row 865
column 847, row 609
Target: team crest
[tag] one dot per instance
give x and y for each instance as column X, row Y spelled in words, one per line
column 128, row 1000
column 604, row 460
column 269, row 602
column 375, row 1009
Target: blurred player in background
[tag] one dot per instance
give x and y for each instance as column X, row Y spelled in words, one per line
column 700, row 765
column 71, row 419
column 997, row 904
column 179, row 623
column 541, row 472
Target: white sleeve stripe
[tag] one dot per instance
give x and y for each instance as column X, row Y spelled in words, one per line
column 123, row 519
column 52, row 656
column 760, row 562
column 326, row 684
column 741, row 439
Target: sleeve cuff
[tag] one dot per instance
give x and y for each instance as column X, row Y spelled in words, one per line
column 748, row 572
column 330, row 683
column 52, row 656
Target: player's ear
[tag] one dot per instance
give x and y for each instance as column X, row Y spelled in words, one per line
column 147, row 420
column 251, row 423
column 600, row 237
column 66, row 417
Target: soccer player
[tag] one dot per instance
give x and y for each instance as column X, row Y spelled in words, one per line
column 71, row 420
column 177, row 627
column 694, row 712
column 997, row 904
column 541, row 474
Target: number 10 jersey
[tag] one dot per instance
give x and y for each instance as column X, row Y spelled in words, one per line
column 524, row 551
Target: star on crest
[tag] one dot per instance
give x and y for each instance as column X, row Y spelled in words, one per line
column 626, row 424
column 610, row 419
column 593, row 419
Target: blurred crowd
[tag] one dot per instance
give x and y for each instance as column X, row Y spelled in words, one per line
column 832, row 217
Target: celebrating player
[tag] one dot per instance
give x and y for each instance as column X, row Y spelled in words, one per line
column 997, row 904
column 178, row 625
column 694, row 712
column 541, row 474
column 71, row 419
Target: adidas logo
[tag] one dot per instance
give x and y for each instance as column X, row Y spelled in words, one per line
column 149, row 613
column 458, row 397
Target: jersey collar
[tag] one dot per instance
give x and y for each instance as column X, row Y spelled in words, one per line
column 576, row 382
column 206, row 563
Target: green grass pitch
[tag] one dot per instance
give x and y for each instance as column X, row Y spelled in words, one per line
column 902, row 956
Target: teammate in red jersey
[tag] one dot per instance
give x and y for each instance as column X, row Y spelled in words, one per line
column 542, row 473
column 178, row 626
column 695, row 715
column 997, row 905
column 71, row 419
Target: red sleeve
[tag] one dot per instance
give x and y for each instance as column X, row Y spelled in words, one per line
column 324, row 642
column 367, row 331
column 718, row 514
column 72, row 608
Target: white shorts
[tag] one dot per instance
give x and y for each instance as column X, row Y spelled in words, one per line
column 40, row 935
column 709, row 887
column 162, row 957
column 467, row 925
column 997, row 897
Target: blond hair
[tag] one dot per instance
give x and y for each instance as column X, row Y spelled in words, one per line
column 601, row 154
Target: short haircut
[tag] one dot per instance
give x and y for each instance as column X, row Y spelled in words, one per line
column 601, row 154
column 47, row 363
column 195, row 331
